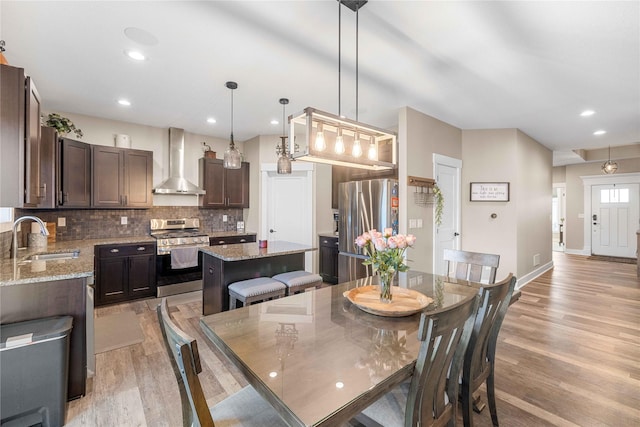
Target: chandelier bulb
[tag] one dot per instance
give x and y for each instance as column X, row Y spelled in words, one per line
column 372, row 153
column 356, row 150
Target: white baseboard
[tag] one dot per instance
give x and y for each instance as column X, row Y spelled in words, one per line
column 532, row 275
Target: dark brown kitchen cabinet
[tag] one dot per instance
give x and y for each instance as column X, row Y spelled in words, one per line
column 121, row 177
column 20, row 136
column 226, row 188
column 232, row 240
column 125, row 272
column 48, row 142
column 74, row 174
column 329, row 259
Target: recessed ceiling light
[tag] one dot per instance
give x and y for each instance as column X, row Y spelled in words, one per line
column 211, row 120
column 600, row 132
column 274, row 122
column 339, row 385
column 134, row 54
column 587, row 113
column 124, row 102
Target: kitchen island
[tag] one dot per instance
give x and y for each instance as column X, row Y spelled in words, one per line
column 226, row 264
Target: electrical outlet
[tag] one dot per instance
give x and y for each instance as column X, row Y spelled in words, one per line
column 536, row 260
column 419, row 223
column 412, row 223
column 123, row 220
column 62, row 222
column 240, row 226
column 224, row 218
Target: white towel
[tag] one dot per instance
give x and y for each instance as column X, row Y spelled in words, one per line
column 184, row 258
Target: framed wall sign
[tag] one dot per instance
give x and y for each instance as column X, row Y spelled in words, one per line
column 489, row 192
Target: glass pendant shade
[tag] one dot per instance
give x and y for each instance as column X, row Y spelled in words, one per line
column 232, row 156
column 284, row 162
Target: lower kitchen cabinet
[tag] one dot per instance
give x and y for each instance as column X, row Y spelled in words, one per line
column 231, row 240
column 125, row 272
column 329, row 259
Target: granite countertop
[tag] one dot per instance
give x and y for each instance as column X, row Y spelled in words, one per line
column 244, row 251
column 20, row 272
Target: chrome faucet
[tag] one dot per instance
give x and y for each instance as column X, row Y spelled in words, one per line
column 43, row 231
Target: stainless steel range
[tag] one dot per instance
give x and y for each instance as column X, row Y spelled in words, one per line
column 184, row 236
column 177, row 233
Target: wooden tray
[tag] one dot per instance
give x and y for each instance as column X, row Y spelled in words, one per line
column 404, row 302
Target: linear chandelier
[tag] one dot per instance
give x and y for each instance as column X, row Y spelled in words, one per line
column 336, row 140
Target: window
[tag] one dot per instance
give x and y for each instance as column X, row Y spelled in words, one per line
column 614, row 195
column 6, row 219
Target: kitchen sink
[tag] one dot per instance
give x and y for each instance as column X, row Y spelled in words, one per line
column 52, row 256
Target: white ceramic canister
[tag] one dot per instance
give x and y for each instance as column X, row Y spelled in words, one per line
column 123, row 141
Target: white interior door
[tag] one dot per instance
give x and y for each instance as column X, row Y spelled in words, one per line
column 447, row 171
column 614, row 219
column 287, row 209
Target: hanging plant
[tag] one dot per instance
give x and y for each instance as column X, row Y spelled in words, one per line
column 62, row 124
column 437, row 194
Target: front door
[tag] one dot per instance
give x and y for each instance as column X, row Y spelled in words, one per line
column 447, row 172
column 614, row 219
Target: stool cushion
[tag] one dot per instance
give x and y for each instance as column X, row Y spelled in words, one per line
column 257, row 286
column 294, row 279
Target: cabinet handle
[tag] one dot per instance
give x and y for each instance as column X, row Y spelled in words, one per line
column 43, row 188
column 325, row 241
column 126, row 200
column 142, row 248
column 221, row 242
column 210, row 270
column 243, row 240
column 114, row 251
column 336, row 243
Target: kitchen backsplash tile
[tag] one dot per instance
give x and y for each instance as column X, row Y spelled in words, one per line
column 105, row 223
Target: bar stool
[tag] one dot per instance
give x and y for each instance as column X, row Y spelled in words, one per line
column 253, row 290
column 298, row 281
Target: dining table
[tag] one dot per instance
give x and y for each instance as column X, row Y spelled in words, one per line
column 320, row 359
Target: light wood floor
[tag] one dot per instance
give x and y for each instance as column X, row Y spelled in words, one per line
column 568, row 355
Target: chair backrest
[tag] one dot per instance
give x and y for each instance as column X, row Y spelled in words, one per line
column 185, row 360
column 432, row 398
column 467, row 265
column 480, row 354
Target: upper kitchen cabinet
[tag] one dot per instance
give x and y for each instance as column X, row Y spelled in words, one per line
column 226, row 188
column 20, row 109
column 122, row 177
column 74, row 174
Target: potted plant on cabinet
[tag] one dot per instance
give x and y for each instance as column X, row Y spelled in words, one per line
column 62, row 124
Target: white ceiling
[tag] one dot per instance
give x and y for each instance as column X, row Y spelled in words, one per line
column 531, row 65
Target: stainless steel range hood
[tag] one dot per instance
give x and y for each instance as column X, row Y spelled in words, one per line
column 177, row 183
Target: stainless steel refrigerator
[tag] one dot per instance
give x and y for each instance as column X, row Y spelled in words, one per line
column 362, row 206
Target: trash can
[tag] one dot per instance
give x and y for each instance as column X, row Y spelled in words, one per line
column 34, row 363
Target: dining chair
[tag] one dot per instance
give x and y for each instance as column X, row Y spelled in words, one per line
column 467, row 265
column 244, row 408
column 479, row 358
column 429, row 399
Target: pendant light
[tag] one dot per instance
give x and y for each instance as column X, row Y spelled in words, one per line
column 232, row 157
column 284, row 162
column 336, row 140
column 609, row 167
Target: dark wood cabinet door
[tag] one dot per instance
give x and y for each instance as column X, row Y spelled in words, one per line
column 112, row 278
column 12, row 122
column 142, row 276
column 237, row 186
column 212, row 180
column 138, row 178
column 74, row 187
column 48, row 138
column 329, row 259
column 32, row 145
column 108, row 176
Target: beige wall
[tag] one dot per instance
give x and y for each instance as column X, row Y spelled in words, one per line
column 522, row 227
column 574, row 224
column 419, row 137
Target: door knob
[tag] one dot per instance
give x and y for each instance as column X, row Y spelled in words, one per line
column 456, row 234
column 271, row 230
